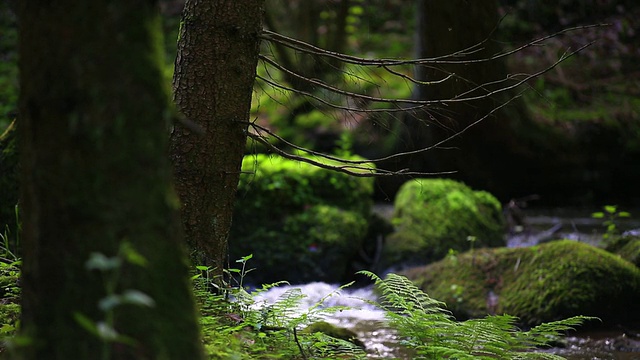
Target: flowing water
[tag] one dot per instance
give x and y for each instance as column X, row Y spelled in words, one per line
column 382, row 342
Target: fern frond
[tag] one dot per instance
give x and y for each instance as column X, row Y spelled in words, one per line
column 399, row 294
column 327, row 347
column 429, row 328
column 285, row 308
column 543, row 334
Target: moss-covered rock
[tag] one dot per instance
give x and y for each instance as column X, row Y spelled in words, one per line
column 301, row 222
column 627, row 247
column 537, row 284
column 334, row 331
column 435, row 215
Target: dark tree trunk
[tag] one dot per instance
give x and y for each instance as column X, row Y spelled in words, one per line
column 491, row 154
column 446, row 28
column 488, row 154
column 213, row 83
column 95, row 174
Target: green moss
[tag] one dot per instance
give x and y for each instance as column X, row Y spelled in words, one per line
column 301, row 222
column 277, row 184
column 627, row 247
column 435, row 215
column 537, row 284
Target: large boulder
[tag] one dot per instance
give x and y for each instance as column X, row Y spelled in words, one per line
column 434, row 216
column 538, row 284
column 302, row 223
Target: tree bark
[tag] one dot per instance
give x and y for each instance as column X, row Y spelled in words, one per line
column 95, row 174
column 215, row 69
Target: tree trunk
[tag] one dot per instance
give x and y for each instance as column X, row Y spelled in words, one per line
column 491, row 154
column 95, row 175
column 215, row 69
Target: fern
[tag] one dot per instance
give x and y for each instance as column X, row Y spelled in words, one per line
column 429, row 328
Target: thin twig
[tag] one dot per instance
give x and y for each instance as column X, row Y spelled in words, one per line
column 295, row 337
column 439, row 60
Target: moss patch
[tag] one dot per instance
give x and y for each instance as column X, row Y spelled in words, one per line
column 301, row 222
column 627, row 247
column 435, row 215
column 537, row 284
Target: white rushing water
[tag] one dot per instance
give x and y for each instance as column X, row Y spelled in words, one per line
column 358, row 300
column 362, row 317
column 382, row 342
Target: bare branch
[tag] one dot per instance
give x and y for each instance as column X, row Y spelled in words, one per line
column 340, row 91
column 440, row 60
column 361, row 168
column 350, row 169
column 332, row 105
column 421, row 103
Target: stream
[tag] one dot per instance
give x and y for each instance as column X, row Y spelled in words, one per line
column 383, row 343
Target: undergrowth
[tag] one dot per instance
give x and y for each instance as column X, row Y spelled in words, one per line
column 236, row 325
column 427, row 327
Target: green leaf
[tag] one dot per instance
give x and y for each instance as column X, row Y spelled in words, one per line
column 109, row 302
column 244, row 259
column 98, row 261
column 202, row 268
column 611, row 209
column 131, row 255
column 137, row 297
column 106, row 331
column 86, row 323
column 597, row 215
column 624, row 214
column 7, row 329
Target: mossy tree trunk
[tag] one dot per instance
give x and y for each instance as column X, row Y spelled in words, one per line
column 213, row 82
column 95, row 174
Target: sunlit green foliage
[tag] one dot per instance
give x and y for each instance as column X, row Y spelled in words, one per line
column 610, row 216
column 306, row 222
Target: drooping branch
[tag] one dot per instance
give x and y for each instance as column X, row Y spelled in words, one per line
column 463, row 97
column 439, row 60
column 474, row 92
column 358, row 164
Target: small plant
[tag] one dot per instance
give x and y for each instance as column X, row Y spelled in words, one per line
column 110, row 268
column 9, row 243
column 258, row 329
column 457, row 293
column 610, row 215
column 10, row 264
